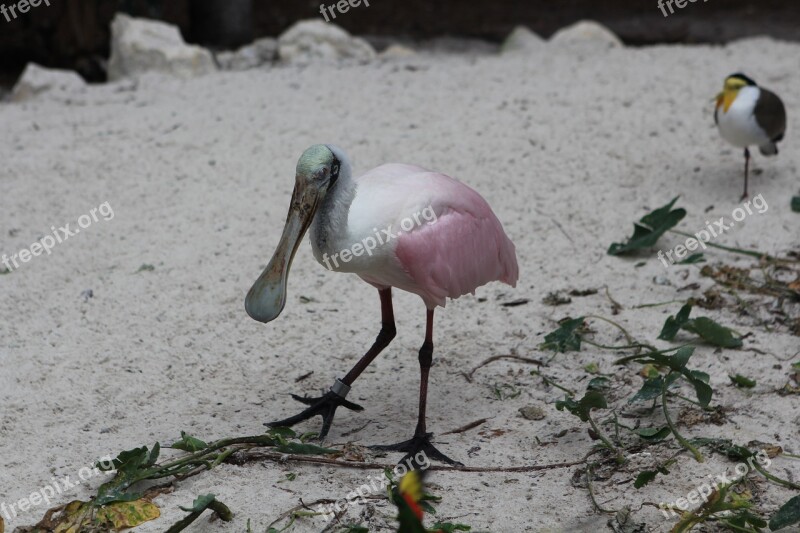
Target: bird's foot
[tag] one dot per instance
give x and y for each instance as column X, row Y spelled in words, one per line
column 419, row 443
column 324, row 406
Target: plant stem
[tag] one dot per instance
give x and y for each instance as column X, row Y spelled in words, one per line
column 776, row 479
column 751, row 253
column 591, row 491
column 685, row 443
column 608, row 443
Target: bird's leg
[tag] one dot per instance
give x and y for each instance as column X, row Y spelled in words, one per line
column 746, row 171
column 420, row 443
column 325, row 406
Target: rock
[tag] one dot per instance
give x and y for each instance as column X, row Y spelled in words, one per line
column 140, row 45
column 314, row 40
column 521, row 39
column 397, row 51
column 532, row 412
column 260, row 52
column 36, row 80
column 586, row 32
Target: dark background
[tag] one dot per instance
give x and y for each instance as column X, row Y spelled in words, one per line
column 75, row 33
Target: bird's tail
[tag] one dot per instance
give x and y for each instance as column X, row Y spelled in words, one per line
column 769, row 149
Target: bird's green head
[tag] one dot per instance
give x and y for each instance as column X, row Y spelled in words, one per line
column 730, row 90
column 319, row 166
column 318, row 170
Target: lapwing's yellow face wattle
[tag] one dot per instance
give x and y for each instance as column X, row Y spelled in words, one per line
column 733, row 84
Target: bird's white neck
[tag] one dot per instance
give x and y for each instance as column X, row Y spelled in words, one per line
column 328, row 231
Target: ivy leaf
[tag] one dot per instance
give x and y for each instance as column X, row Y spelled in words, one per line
column 599, row 384
column 703, row 390
column 582, row 408
column 713, row 333
column 650, row 389
column 654, row 434
column 708, row 330
column 647, row 476
column 189, row 443
column 131, row 466
column 124, row 515
column 199, row 506
column 565, row 338
column 286, row 433
column 741, row 381
column 675, row 323
column 787, row 515
column 448, row 527
column 303, row 449
column 649, row 228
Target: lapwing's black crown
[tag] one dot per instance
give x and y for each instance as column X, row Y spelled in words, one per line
column 744, row 78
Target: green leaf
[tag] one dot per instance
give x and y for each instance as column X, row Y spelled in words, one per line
column 693, row 259
column 653, row 434
column 741, row 381
column 599, row 384
column 303, row 449
column 286, row 433
column 787, row 515
column 582, row 408
column 448, row 527
column 713, row 333
column 199, row 506
column 702, row 389
column 744, row 518
column 650, row 389
column 707, row 329
column 675, row 323
column 649, row 229
column 189, row 443
column 796, row 204
column 565, row 338
column 647, row 476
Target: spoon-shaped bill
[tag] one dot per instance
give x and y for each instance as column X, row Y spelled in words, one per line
column 267, row 296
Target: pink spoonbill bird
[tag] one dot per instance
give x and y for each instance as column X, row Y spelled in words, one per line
column 396, row 226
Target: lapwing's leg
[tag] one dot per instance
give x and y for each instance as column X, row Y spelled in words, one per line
column 325, row 406
column 421, row 441
column 746, row 171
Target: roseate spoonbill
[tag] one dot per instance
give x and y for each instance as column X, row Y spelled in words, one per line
column 360, row 225
column 748, row 115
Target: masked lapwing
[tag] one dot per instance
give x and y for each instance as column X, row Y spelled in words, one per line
column 748, row 115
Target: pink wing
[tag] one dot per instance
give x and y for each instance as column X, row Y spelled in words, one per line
column 465, row 249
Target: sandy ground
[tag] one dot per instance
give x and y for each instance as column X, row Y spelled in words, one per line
column 568, row 146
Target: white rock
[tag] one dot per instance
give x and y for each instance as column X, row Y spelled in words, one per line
column 397, row 51
column 521, row 39
column 586, row 32
column 36, row 80
column 260, row 52
column 141, row 45
column 313, row 40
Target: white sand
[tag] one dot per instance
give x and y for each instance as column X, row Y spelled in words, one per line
column 199, row 173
